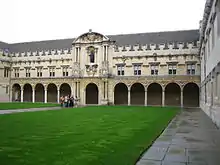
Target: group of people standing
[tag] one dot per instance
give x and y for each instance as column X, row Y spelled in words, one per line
column 67, row 101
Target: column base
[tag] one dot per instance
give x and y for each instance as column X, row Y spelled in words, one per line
column 104, row 102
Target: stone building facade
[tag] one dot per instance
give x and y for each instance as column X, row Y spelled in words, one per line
column 161, row 68
column 210, row 60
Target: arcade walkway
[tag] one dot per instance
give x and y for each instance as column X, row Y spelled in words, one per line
column 190, row 139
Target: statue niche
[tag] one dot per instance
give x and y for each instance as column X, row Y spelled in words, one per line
column 91, row 68
column 91, row 52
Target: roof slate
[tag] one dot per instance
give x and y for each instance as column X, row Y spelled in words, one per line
column 121, row 40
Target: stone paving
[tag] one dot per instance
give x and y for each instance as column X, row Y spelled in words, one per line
column 28, row 110
column 190, row 139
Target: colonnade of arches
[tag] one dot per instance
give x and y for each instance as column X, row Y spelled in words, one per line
column 39, row 93
column 137, row 94
column 155, row 95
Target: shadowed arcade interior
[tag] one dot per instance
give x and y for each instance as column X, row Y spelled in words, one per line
column 92, row 94
column 39, row 93
column 154, row 94
column 191, row 95
column 27, row 93
column 16, row 92
column 137, row 94
column 121, row 94
column 65, row 90
column 51, row 93
column 172, row 95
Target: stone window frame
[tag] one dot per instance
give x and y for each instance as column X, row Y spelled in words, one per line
column 39, row 71
column 6, row 71
column 65, row 71
column 52, row 71
column 27, row 72
column 120, row 69
column 172, row 68
column 16, row 72
column 137, row 69
column 191, row 68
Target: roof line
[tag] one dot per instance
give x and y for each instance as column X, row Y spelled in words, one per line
column 105, row 35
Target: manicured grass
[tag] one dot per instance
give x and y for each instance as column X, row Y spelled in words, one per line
column 81, row 136
column 19, row 105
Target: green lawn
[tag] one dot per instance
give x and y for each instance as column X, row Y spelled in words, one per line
column 81, row 136
column 19, row 105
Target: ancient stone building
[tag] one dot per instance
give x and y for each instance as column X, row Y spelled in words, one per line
column 210, row 60
column 161, row 68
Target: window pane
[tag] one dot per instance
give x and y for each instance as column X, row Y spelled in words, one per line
column 119, row 72
column 135, row 72
column 152, row 72
column 174, row 71
column 122, row 72
column 156, row 72
column 170, row 71
column 139, row 72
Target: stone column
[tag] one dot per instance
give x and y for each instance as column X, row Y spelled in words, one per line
column 78, row 89
column 45, row 96
column 129, row 97
column 33, row 95
column 22, row 95
column 145, row 98
column 104, row 53
column 58, row 95
column 181, row 97
column 76, row 54
column 163, row 97
column 79, row 49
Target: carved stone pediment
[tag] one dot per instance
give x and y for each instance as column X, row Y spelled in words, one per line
column 91, row 37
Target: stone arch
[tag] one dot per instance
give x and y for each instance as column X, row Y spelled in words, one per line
column 16, row 92
column 27, row 95
column 39, row 92
column 154, row 94
column 65, row 89
column 121, row 94
column 191, row 95
column 92, row 94
column 51, row 93
column 172, row 94
column 137, row 94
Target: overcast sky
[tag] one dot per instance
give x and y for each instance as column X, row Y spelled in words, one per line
column 34, row 20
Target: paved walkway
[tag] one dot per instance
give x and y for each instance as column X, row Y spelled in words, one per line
column 190, row 139
column 28, row 110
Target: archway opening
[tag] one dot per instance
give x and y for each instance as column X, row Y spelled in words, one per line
column 92, row 94
column 39, row 93
column 51, row 93
column 172, row 95
column 137, row 94
column 16, row 92
column 121, row 94
column 154, row 94
column 27, row 93
column 191, row 95
column 65, row 90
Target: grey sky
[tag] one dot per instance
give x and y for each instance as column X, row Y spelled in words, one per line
column 33, row 20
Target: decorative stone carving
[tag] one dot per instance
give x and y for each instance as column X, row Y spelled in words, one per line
column 76, row 69
column 91, row 69
column 104, row 71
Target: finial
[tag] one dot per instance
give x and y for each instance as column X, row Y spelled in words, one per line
column 90, row 30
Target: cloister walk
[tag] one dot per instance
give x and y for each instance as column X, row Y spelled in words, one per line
column 137, row 94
